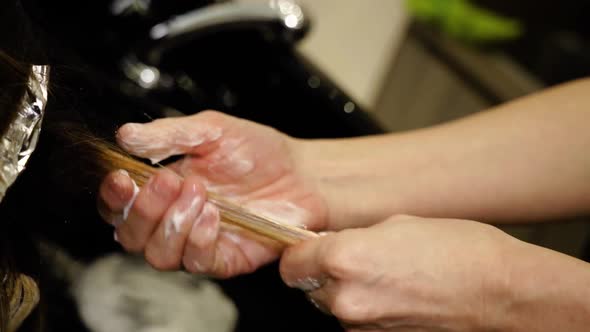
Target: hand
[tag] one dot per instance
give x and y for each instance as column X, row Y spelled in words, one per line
column 407, row 274
column 171, row 222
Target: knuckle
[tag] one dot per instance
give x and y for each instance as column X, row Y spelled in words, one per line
column 131, row 246
column 157, row 260
column 142, row 214
column 197, row 243
column 143, row 220
column 128, row 240
column 136, row 234
column 211, row 115
column 166, row 181
column 337, row 260
column 224, row 274
column 401, row 217
column 346, row 309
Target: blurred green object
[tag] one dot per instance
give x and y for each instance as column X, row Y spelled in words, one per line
column 465, row 21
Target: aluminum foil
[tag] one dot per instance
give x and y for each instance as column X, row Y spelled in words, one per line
column 20, row 139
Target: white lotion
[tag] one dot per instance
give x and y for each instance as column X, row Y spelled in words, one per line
column 133, row 198
column 179, row 217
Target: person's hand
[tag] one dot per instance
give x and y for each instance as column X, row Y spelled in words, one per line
column 169, row 219
column 407, row 274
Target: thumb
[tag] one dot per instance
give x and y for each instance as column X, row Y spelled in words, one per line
column 301, row 265
column 163, row 138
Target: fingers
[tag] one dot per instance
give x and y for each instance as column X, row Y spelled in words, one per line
column 165, row 248
column 152, row 202
column 301, row 265
column 207, row 250
column 115, row 193
column 167, row 137
column 223, row 251
column 306, row 267
column 200, row 255
column 172, row 224
column 328, row 270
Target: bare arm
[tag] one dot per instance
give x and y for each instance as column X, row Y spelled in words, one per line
column 527, row 160
column 550, row 291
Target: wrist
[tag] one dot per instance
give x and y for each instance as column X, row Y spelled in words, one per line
column 499, row 289
column 549, row 291
column 309, row 164
column 342, row 177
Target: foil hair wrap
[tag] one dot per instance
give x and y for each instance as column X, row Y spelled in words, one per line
column 20, row 139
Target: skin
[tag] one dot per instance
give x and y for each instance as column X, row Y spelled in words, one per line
column 202, row 245
column 521, row 162
column 462, row 276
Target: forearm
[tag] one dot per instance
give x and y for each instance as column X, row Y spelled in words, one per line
column 523, row 161
column 550, row 292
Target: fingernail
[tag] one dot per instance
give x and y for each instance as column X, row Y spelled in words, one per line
column 318, row 305
column 202, row 239
column 203, row 260
column 206, row 225
column 163, row 186
column 198, row 267
column 233, row 237
column 308, row 284
column 115, row 186
column 128, row 130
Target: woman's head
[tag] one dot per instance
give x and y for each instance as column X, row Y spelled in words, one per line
column 19, row 294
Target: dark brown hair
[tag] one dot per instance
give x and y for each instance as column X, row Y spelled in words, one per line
column 19, row 293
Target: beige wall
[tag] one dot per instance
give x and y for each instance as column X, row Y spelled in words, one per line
column 354, row 41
